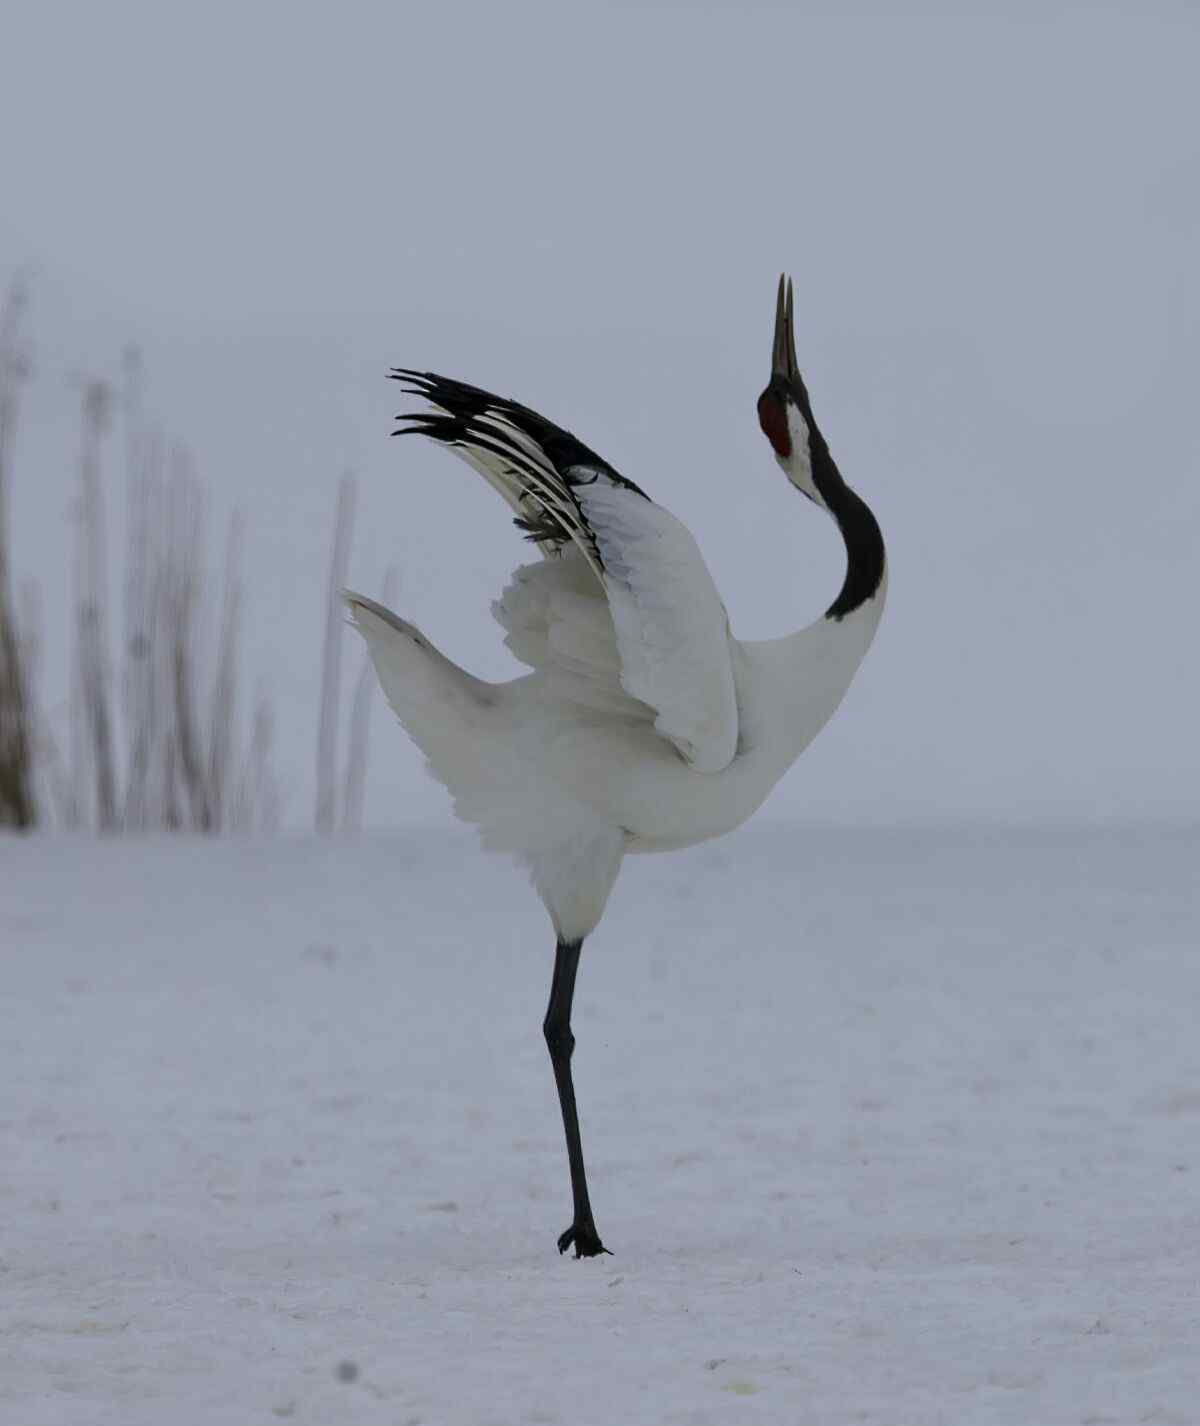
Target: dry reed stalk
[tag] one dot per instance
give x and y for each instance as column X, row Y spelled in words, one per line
column 183, row 576
column 91, row 609
column 360, row 726
column 17, row 800
column 331, row 660
column 221, row 767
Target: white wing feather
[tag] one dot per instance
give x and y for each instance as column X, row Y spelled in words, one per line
column 671, row 626
column 672, row 643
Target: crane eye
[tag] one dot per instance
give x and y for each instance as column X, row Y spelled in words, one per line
column 772, row 417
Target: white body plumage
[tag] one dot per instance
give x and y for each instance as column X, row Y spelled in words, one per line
column 644, row 724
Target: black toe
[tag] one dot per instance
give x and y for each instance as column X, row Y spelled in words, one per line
column 585, row 1238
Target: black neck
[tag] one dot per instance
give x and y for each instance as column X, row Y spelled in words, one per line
column 860, row 529
column 864, row 550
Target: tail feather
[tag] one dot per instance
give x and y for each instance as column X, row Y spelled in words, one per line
column 443, row 708
column 493, row 768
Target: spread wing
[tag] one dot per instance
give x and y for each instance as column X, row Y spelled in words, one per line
column 669, row 626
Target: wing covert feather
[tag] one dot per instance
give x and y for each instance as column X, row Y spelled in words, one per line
column 671, row 626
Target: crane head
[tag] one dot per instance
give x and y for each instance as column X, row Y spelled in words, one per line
column 784, row 412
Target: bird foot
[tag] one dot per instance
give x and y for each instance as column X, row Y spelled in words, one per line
column 585, row 1238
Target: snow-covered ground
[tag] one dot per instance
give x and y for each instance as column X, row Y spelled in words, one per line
column 897, row 1127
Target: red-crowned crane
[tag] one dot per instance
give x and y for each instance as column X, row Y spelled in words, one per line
column 644, row 724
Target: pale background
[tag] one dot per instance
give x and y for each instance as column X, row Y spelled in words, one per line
column 885, row 1124
column 991, row 216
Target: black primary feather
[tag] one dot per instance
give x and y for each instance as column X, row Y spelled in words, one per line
column 462, row 420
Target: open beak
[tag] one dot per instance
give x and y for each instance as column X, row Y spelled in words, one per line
column 783, row 350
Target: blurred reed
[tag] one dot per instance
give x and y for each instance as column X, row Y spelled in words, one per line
column 156, row 732
column 18, row 646
column 339, row 799
column 157, row 736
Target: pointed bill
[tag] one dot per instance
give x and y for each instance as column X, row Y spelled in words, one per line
column 783, row 349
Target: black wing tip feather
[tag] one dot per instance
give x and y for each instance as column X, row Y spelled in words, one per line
column 456, row 421
column 459, row 396
column 462, row 400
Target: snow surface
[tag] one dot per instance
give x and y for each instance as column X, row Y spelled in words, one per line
column 894, row 1127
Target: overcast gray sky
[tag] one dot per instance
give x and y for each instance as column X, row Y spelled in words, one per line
column 991, row 216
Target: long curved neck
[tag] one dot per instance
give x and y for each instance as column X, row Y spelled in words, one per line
column 812, row 469
column 798, row 680
column 866, row 558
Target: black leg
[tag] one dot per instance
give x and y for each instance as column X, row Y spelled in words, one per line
column 557, row 1028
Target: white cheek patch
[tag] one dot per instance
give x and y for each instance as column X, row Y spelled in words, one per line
column 799, row 463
